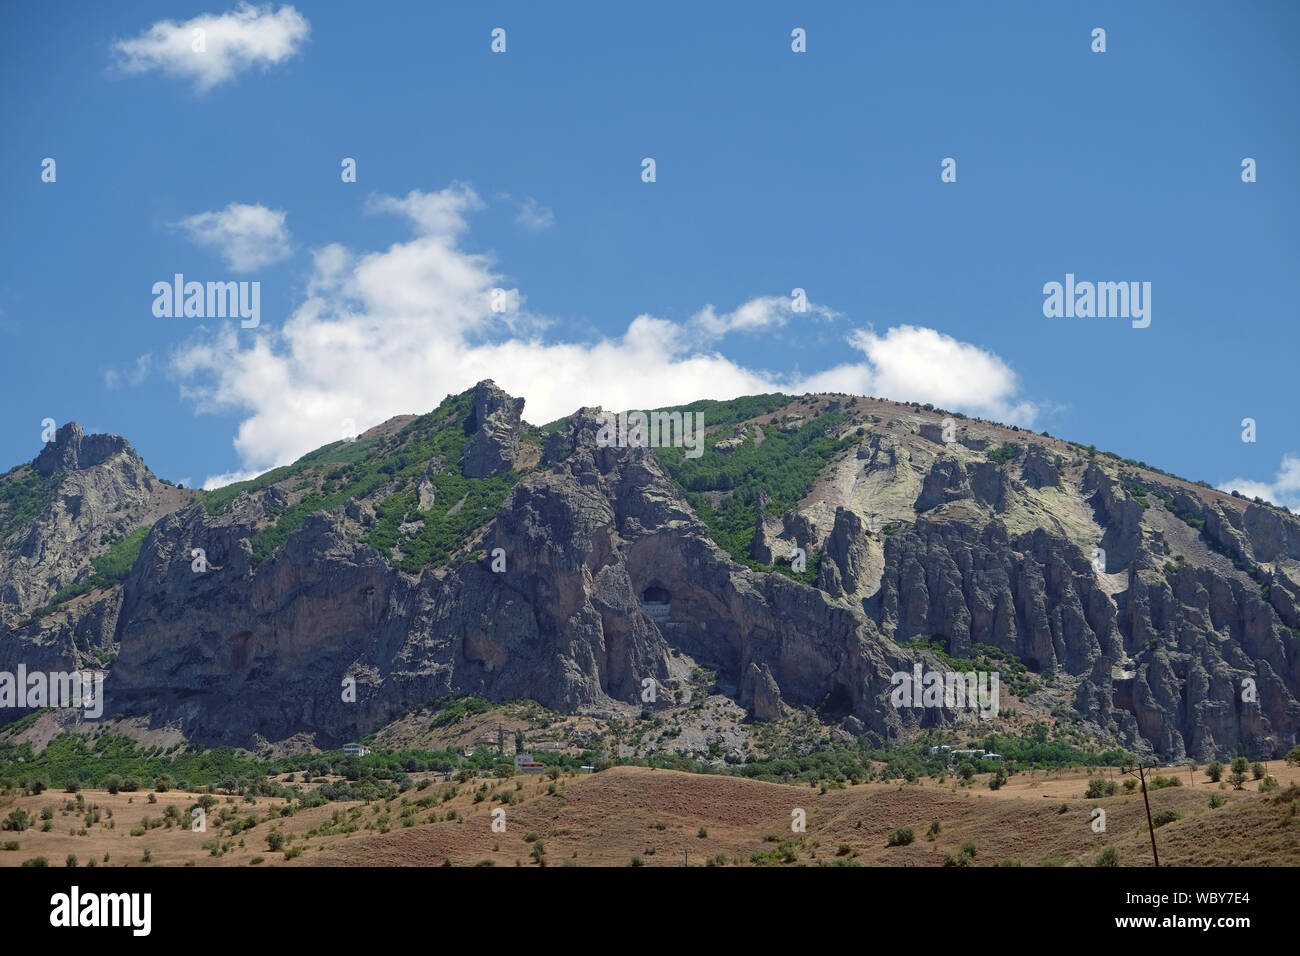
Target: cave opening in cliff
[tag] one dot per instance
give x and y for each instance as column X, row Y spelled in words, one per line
column 838, row 704
column 655, row 595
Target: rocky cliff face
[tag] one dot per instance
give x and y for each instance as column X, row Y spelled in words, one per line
column 1164, row 613
column 85, row 490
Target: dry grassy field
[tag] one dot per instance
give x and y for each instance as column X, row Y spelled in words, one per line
column 666, row 818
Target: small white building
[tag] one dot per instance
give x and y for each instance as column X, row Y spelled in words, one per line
column 355, row 750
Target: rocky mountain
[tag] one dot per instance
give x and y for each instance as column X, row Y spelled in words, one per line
column 819, row 546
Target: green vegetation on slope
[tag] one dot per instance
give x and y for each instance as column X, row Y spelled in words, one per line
column 219, row 500
column 1006, row 453
column 716, row 413
column 342, row 471
column 784, row 467
column 109, row 568
column 23, row 498
column 1012, row 673
column 444, row 433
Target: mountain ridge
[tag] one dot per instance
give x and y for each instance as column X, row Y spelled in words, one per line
column 373, row 560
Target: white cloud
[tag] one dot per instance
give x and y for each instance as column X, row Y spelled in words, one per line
column 231, row 43
column 764, row 312
column 230, row 477
column 924, row 365
column 534, row 216
column 393, row 332
column 131, row 377
column 1284, row 489
column 439, row 215
column 246, row 237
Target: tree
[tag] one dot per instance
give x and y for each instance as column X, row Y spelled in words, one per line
column 1257, row 770
column 519, row 741
column 275, row 840
column 1214, row 771
column 1238, row 776
column 112, row 783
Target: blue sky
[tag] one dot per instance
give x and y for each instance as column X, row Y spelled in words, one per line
column 775, row 170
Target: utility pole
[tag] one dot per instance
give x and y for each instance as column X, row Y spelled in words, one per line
column 1150, row 829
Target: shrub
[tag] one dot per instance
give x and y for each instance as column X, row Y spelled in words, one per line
column 1217, row 801
column 1267, row 784
column 1257, row 770
column 935, row 828
column 275, row 840
column 17, row 820
column 1101, row 788
column 36, row 861
column 901, row 837
column 1214, row 771
column 71, row 861
column 1008, row 451
column 1130, row 785
column 1107, row 857
column 1167, row 815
